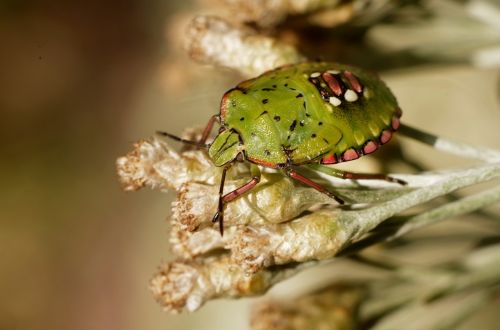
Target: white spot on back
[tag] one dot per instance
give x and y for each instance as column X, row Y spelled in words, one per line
column 333, row 71
column 335, row 101
column 350, row 96
column 315, row 75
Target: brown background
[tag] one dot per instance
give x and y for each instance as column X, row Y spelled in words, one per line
column 78, row 84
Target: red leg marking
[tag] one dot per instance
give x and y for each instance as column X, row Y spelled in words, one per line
column 353, row 81
column 219, row 215
column 332, row 82
column 308, row 182
column 241, row 190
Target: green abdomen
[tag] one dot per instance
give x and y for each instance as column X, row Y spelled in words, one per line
column 311, row 112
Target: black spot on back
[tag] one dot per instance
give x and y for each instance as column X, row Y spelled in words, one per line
column 265, row 101
column 301, row 123
column 242, row 118
column 292, row 126
column 320, row 123
column 299, row 95
column 277, row 118
column 267, row 89
column 241, row 89
column 263, row 113
column 267, row 152
column 313, row 135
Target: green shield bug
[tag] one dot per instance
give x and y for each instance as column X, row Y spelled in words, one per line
column 307, row 113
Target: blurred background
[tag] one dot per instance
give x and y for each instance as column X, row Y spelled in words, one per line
column 79, row 83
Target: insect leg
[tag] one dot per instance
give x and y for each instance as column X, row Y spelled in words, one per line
column 208, row 128
column 204, row 136
column 354, row 176
column 176, row 138
column 224, row 199
column 296, row 176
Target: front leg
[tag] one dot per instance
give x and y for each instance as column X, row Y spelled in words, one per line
column 208, row 128
column 224, row 199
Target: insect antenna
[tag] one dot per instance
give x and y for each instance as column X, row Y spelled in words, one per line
column 176, row 138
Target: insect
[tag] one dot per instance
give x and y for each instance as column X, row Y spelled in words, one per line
column 307, row 113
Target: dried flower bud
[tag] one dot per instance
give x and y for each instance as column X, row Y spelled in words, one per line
column 312, row 237
column 276, row 199
column 188, row 244
column 267, row 13
column 265, row 242
column 214, row 41
column 153, row 163
column 331, row 308
column 189, row 284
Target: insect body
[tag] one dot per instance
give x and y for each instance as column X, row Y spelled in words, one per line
column 302, row 114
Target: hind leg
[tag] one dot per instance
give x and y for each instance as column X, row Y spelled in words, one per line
column 308, row 182
column 354, row 176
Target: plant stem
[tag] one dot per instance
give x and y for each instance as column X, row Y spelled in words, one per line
column 450, row 146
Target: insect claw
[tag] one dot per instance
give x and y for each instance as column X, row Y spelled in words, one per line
column 216, row 217
column 220, row 218
column 340, row 201
column 337, row 199
column 401, row 182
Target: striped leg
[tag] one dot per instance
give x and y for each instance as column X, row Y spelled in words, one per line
column 224, row 199
column 296, row 176
column 354, row 176
column 208, row 128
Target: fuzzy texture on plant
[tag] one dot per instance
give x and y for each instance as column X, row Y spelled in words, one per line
column 281, row 228
column 268, row 227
